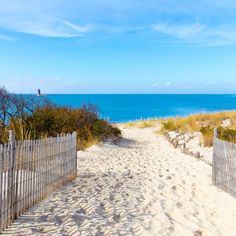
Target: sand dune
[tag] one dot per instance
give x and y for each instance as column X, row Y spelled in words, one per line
column 141, row 186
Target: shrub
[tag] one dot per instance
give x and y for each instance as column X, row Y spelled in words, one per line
column 207, row 135
column 3, row 134
column 34, row 118
column 49, row 121
column 228, row 135
column 169, row 125
column 102, row 130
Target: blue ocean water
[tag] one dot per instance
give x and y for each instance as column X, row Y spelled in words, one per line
column 122, row 108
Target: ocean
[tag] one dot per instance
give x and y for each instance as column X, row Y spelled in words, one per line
column 123, row 108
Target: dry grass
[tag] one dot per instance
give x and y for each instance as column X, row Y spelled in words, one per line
column 22, row 133
column 195, row 122
column 207, row 140
column 204, row 123
column 142, row 124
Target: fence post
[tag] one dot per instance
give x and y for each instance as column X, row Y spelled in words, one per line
column 75, row 146
column 1, row 188
column 13, row 172
column 214, row 157
column 215, row 133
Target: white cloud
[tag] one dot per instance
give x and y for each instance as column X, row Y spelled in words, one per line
column 199, row 34
column 180, row 31
column 156, row 85
column 173, row 19
column 42, row 25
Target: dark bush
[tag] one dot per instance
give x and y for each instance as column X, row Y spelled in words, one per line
column 228, row 135
column 33, row 118
column 102, row 130
column 49, row 121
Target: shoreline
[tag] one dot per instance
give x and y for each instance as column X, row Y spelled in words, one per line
column 172, row 117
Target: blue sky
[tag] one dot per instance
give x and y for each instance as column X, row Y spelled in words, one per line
column 125, row 46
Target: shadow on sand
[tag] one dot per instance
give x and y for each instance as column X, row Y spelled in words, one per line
column 126, row 143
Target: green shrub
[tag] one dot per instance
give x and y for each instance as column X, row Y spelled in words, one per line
column 207, row 130
column 169, row 125
column 49, row 121
column 228, row 135
column 102, row 130
column 34, row 118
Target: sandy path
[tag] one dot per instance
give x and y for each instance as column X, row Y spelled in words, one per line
column 142, row 187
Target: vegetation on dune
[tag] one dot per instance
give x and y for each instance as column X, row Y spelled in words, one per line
column 49, row 121
column 143, row 123
column 227, row 134
column 33, row 118
column 205, row 123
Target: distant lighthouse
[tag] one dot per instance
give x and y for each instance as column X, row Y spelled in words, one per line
column 39, row 93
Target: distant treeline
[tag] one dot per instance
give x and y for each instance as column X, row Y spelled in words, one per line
column 33, row 117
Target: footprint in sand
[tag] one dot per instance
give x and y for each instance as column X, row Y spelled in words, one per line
column 79, row 219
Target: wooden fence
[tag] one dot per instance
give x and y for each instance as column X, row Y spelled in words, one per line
column 224, row 165
column 32, row 169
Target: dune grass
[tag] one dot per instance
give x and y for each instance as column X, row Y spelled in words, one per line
column 142, row 124
column 204, row 123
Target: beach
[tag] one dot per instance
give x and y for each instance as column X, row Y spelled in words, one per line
column 139, row 185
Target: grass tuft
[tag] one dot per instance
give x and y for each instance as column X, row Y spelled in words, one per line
column 142, row 124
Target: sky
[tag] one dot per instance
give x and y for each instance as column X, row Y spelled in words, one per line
column 125, row 46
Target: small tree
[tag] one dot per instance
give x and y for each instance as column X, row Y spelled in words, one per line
column 5, row 106
column 14, row 106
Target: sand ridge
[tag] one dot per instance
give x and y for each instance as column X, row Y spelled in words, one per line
column 139, row 186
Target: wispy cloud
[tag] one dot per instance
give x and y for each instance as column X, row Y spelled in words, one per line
column 171, row 20
column 180, row 31
column 198, row 34
column 156, row 85
column 42, row 25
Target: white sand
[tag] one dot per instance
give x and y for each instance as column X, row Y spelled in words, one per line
column 144, row 186
column 191, row 142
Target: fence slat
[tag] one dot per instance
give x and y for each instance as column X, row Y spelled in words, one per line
column 1, row 187
column 224, row 165
column 31, row 170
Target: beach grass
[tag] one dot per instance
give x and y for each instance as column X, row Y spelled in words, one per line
column 142, row 124
column 205, row 124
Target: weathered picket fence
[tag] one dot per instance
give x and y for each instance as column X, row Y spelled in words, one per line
column 32, row 169
column 224, row 165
